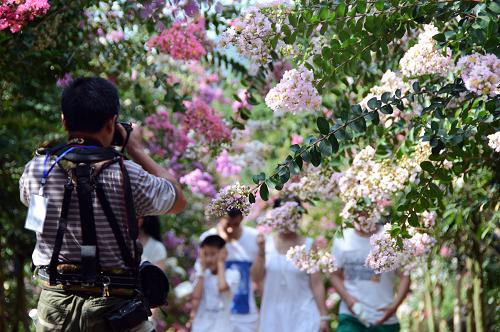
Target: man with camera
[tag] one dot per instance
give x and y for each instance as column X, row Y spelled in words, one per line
column 83, row 199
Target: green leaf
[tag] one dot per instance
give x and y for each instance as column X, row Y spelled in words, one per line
column 386, row 96
column 315, row 156
column 341, row 10
column 295, row 148
column 440, row 37
column 293, row 20
column 325, row 148
column 434, row 190
column 386, row 109
column 379, row 4
column 323, row 125
column 427, row 166
column 284, row 174
column 333, row 141
column 374, row 103
column 413, row 220
column 416, row 86
column 299, row 162
column 359, row 125
column 373, row 117
column 251, row 198
column 264, row 192
column 324, row 13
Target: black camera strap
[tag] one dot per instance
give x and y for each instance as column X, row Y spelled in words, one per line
column 61, row 229
column 89, row 249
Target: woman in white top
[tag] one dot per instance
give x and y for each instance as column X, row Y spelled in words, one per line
column 292, row 300
column 153, row 249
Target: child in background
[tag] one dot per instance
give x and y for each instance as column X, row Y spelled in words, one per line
column 215, row 287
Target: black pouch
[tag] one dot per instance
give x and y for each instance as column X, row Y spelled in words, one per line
column 154, row 284
column 131, row 314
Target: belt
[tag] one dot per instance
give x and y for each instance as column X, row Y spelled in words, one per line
column 106, row 284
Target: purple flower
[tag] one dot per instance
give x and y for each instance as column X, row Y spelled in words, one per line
column 64, row 81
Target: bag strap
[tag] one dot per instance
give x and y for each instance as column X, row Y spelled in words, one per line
column 89, row 249
column 113, row 223
column 61, row 229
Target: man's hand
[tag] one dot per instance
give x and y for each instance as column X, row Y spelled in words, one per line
column 135, row 143
column 203, row 262
column 351, row 301
column 222, row 256
column 389, row 311
column 324, row 326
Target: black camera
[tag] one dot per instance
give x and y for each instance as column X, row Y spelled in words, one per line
column 131, row 314
column 118, row 138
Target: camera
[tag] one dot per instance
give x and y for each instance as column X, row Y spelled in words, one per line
column 130, row 315
column 117, row 138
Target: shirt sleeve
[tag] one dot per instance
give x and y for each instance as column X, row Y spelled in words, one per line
column 160, row 251
column 24, row 188
column 337, row 253
column 152, row 195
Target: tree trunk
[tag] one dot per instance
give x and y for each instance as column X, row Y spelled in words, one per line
column 457, row 308
column 429, row 308
column 3, row 316
column 477, row 287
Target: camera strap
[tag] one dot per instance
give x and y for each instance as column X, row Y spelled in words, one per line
column 89, row 165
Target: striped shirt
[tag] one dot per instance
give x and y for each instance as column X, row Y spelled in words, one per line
column 152, row 196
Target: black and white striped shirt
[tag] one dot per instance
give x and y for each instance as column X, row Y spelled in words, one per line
column 152, row 196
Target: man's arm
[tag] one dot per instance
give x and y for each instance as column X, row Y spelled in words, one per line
column 337, row 278
column 258, row 271
column 390, row 310
column 318, row 289
column 135, row 149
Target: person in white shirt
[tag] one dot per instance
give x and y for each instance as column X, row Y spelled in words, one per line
column 212, row 295
column 242, row 249
column 368, row 301
column 153, row 249
column 292, row 300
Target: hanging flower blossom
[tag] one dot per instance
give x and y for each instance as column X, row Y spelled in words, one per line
column 203, row 120
column 425, row 58
column 386, row 255
column 494, row 141
column 311, row 261
column 15, row 14
column 199, row 182
column 294, row 93
column 231, row 197
column 428, row 219
column 480, row 73
column 285, row 217
column 64, row 81
column 251, row 35
column 226, row 166
column 182, row 41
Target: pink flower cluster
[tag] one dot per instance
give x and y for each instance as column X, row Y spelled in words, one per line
column 428, row 219
column 251, row 35
column 199, row 182
column 15, row 14
column 202, row 119
column 425, row 58
column 494, row 141
column 283, row 218
column 294, row 93
column 481, row 73
column 163, row 137
column 311, row 261
column 231, row 197
column 183, row 40
column 386, row 255
column 64, row 81
column 243, row 102
column 226, row 166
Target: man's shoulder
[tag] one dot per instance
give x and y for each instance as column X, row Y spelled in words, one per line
column 250, row 231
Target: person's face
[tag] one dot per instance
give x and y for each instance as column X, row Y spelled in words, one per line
column 231, row 224
column 211, row 255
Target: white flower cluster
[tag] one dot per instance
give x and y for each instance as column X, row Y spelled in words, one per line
column 428, row 219
column 481, row 73
column 251, row 35
column 311, row 261
column 253, row 155
column 425, row 58
column 368, row 185
column 386, row 255
column 231, row 197
column 314, row 183
column 294, row 93
column 494, row 141
column 284, row 218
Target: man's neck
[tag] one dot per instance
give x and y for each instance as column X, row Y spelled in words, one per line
column 84, row 138
column 234, row 235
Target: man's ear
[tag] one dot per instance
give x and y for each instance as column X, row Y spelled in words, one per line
column 110, row 124
column 64, row 121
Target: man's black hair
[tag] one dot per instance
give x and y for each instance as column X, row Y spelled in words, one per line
column 88, row 102
column 234, row 213
column 213, row 241
column 151, row 227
